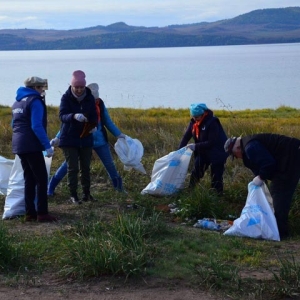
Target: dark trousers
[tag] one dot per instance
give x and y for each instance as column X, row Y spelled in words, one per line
column 282, row 188
column 216, row 173
column 35, row 182
column 78, row 159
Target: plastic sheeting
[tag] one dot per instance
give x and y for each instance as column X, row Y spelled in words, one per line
column 257, row 219
column 130, row 152
column 5, row 169
column 169, row 173
column 14, row 201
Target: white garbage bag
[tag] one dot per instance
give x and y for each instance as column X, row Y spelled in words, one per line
column 130, row 152
column 14, row 201
column 257, row 219
column 169, row 173
column 5, row 169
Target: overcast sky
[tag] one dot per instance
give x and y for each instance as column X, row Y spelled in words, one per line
column 73, row 14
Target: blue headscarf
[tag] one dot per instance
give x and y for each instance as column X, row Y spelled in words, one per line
column 198, row 109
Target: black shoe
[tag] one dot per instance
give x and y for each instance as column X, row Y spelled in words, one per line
column 74, row 199
column 88, row 197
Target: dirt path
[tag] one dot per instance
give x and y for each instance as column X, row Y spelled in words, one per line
column 104, row 290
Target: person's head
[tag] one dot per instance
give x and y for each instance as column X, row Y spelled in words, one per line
column 197, row 110
column 36, row 83
column 94, row 87
column 233, row 147
column 78, row 82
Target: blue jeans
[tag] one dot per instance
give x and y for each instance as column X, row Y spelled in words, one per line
column 105, row 156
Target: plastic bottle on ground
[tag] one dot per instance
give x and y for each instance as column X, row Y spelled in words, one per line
column 207, row 224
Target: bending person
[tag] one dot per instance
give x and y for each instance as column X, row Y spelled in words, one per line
column 271, row 157
column 101, row 145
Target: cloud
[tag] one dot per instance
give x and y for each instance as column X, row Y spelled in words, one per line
column 71, row 14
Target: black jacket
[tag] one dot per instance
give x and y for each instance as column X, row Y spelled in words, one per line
column 210, row 144
column 267, row 154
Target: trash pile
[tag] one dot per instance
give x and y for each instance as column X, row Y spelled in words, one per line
column 213, row 224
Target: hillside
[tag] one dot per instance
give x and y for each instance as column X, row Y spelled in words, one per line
column 262, row 26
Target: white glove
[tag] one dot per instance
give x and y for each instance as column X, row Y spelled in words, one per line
column 257, row 181
column 121, row 136
column 80, row 118
column 54, row 142
column 191, row 146
column 93, row 130
column 49, row 152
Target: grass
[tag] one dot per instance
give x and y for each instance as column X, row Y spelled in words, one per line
column 110, row 238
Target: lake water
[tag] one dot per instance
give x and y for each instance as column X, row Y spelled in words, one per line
column 239, row 77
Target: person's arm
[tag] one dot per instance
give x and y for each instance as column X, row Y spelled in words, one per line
column 37, row 116
column 261, row 158
column 109, row 124
column 65, row 113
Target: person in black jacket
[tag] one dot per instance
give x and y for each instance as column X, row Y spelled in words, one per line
column 271, row 157
column 78, row 115
column 209, row 138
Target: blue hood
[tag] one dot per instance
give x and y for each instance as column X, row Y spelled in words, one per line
column 24, row 92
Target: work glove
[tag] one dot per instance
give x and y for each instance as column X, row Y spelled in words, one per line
column 257, row 181
column 93, row 130
column 121, row 136
column 80, row 118
column 191, row 146
column 54, row 142
column 49, row 152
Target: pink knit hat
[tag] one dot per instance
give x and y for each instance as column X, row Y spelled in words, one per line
column 78, row 78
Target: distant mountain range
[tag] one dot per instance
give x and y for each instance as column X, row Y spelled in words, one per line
column 264, row 26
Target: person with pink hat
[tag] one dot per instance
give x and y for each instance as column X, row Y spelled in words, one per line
column 101, row 145
column 79, row 120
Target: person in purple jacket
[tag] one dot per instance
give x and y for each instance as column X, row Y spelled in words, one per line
column 29, row 140
column 209, row 138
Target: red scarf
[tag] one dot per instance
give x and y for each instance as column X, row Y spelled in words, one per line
column 197, row 125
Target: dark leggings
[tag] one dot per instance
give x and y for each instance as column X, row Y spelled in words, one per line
column 216, row 173
column 35, row 182
column 282, row 189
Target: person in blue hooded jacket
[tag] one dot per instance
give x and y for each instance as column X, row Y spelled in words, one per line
column 209, row 138
column 100, row 146
column 29, row 140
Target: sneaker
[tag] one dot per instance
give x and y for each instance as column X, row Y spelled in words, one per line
column 46, row 218
column 88, row 197
column 30, row 218
column 74, row 199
